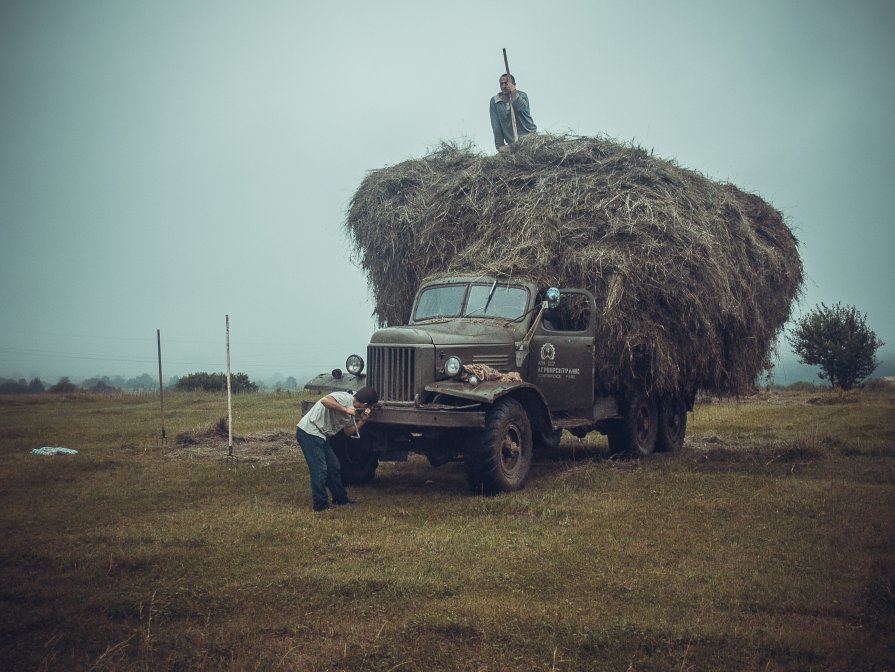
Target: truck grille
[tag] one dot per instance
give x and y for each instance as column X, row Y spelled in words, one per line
column 392, row 372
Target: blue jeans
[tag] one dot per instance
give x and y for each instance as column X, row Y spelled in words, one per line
column 324, row 469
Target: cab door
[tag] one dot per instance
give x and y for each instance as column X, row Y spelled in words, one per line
column 561, row 359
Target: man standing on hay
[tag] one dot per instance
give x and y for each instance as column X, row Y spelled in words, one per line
column 334, row 413
column 502, row 114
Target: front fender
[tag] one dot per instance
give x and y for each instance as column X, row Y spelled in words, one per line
column 488, row 391
column 344, row 382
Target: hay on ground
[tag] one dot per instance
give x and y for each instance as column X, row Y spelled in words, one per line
column 693, row 278
column 219, row 430
column 210, row 443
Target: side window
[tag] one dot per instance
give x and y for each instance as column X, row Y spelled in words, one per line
column 572, row 314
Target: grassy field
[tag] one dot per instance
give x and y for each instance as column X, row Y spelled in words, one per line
column 768, row 543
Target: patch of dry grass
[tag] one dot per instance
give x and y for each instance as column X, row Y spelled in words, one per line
column 766, row 544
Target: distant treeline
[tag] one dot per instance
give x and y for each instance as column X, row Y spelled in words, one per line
column 211, row 382
column 66, row 385
column 22, row 386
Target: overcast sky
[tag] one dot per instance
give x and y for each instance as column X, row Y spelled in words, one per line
column 166, row 163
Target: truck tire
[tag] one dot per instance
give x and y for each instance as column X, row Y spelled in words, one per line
column 672, row 425
column 358, row 462
column 635, row 433
column 499, row 461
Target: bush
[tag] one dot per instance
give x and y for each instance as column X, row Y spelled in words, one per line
column 216, row 382
column 64, row 386
column 838, row 340
column 142, row 382
column 102, row 385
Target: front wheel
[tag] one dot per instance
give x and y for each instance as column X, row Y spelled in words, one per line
column 357, row 460
column 635, row 433
column 501, row 459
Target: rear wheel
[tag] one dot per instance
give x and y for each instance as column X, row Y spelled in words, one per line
column 672, row 424
column 501, row 459
column 357, row 460
column 635, row 433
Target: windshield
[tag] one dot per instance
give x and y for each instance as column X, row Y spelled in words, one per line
column 485, row 300
column 441, row 301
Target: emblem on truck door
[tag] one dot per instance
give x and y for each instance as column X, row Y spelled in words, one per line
column 548, row 352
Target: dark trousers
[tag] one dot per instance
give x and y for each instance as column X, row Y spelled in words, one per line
column 324, row 469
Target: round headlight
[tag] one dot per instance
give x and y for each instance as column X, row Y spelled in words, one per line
column 453, row 366
column 354, row 364
column 473, row 379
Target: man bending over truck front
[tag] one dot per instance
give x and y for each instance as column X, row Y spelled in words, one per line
column 334, row 413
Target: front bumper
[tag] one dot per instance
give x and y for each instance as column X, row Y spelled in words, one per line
column 430, row 415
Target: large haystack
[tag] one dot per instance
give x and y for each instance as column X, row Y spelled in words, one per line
column 693, row 278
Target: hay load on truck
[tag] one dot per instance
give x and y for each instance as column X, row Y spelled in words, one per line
column 571, row 284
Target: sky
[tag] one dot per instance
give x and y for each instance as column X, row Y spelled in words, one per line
column 166, row 164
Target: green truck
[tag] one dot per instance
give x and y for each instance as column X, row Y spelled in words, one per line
column 487, row 371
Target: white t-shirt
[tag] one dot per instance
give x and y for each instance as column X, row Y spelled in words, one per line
column 323, row 422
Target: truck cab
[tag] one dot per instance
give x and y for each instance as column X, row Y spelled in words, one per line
column 487, row 370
